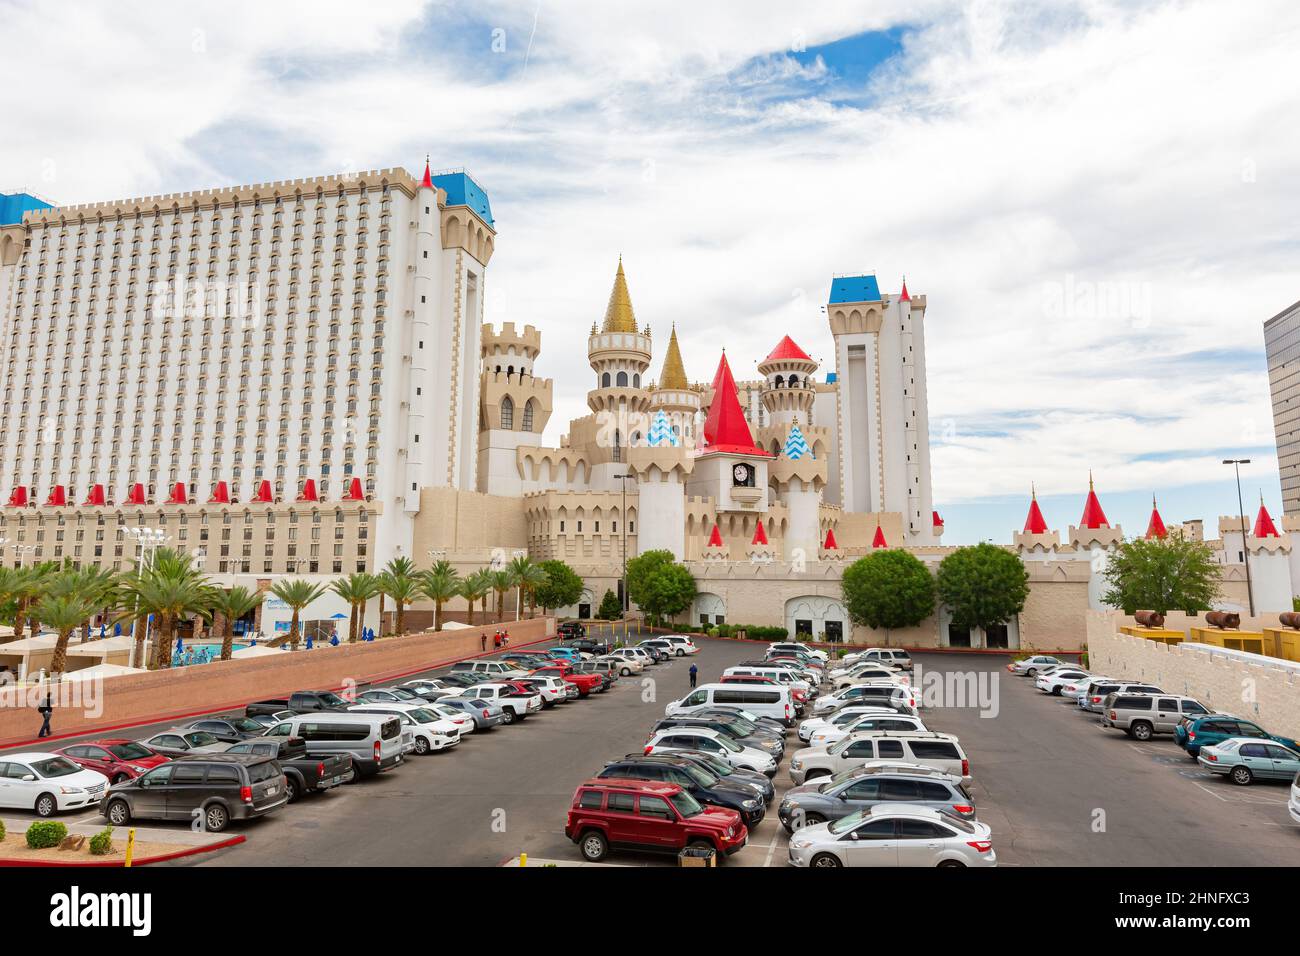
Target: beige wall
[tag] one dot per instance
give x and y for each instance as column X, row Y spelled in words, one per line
column 454, row 520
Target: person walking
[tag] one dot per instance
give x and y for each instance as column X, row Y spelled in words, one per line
column 694, row 672
column 482, row 640
column 45, row 709
column 505, row 638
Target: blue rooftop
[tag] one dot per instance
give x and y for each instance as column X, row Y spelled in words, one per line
column 13, row 205
column 463, row 191
column 854, row 289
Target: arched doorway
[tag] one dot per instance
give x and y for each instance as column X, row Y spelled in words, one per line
column 816, row 618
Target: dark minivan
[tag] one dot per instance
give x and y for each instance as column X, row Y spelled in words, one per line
column 216, row 788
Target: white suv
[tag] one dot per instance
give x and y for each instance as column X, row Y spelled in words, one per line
column 682, row 644
column 714, row 743
column 839, row 718
column 863, row 722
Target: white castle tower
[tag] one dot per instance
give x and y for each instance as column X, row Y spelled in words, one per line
column 514, row 405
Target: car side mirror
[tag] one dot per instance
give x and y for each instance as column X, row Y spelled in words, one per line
column 29, row 778
column 854, row 836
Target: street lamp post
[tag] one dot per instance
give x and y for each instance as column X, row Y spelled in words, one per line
column 1236, row 464
column 24, row 550
column 623, row 480
column 148, row 540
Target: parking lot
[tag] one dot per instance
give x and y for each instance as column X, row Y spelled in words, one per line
column 1055, row 788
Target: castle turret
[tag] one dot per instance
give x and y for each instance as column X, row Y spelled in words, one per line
column 514, row 405
column 788, row 386
column 1096, row 536
column 674, row 396
column 661, row 466
column 1036, row 542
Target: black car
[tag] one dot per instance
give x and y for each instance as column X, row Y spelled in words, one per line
column 466, row 678
column 571, row 629
column 214, row 789
column 768, row 724
column 587, row 645
column 741, row 731
column 720, row 768
column 658, row 653
column 230, row 728
column 704, row 785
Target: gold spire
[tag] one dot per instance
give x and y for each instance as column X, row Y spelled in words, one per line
column 674, row 373
column 619, row 316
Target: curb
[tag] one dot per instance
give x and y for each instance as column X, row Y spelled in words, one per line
column 114, row 864
column 823, row 646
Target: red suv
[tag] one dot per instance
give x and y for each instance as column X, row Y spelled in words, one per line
column 586, row 683
column 646, row 815
column 117, row 758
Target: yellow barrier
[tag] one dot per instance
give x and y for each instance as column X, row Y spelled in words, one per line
column 1162, row 634
column 1251, row 641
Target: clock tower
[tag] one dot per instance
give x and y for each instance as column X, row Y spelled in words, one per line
column 729, row 467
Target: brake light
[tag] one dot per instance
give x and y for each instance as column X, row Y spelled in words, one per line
column 965, row 766
column 1191, row 735
column 982, row 845
column 246, row 794
column 376, row 751
column 320, row 769
column 1096, row 700
column 1210, row 757
column 963, row 808
column 649, row 747
column 1112, row 715
column 787, row 711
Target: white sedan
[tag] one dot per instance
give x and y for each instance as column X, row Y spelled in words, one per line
column 1053, row 682
column 898, row 835
column 1030, row 666
column 47, row 783
column 845, row 714
column 892, row 721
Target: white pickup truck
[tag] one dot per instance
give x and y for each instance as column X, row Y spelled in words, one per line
column 515, row 703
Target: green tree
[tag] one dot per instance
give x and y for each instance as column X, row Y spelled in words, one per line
column 642, row 568
column 439, row 584
column 64, row 610
column 1169, row 574
column 476, row 586
column 503, row 579
column 658, row 585
column 888, row 590
column 396, row 569
column 296, row 593
column 357, row 589
column 529, row 576
column 170, row 589
column 983, row 585
column 403, row 588
column 230, row 606
column 563, row 586
column 610, row 608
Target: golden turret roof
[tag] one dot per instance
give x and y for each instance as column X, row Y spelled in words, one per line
column 674, row 373
column 619, row 316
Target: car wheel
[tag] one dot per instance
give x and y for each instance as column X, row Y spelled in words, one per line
column 294, row 787
column 1242, row 776
column 1031, row 672
column 825, row 859
column 119, row 813
column 594, row 846
column 215, row 818
column 813, row 819
column 421, row 746
column 951, row 864
column 46, row 805
column 507, row 716
column 1140, row 730
column 626, row 672
column 814, row 774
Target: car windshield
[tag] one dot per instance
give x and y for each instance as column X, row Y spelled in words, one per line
column 55, row 767
column 727, row 744
column 333, row 700
column 423, row 716
column 200, row 738
column 839, row 745
column 131, row 751
column 844, row 824
column 244, row 725
column 686, row 805
column 701, row 778
column 402, row 693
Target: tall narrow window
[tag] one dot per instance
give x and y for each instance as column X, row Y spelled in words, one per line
column 528, row 416
column 507, row 414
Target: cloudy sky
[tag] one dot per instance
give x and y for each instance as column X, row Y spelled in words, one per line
column 1097, row 198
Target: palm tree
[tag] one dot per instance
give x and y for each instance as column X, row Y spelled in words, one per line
column 357, row 589
column 502, row 582
column 297, row 594
column 8, row 587
column 170, row 589
column 476, row 587
column 403, row 589
column 64, row 610
column 529, row 576
column 26, row 584
column 231, row 606
column 440, row 584
column 100, row 585
column 395, row 568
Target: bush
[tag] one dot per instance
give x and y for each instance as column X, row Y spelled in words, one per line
column 101, row 844
column 44, row 834
column 754, row 632
column 888, row 590
column 610, row 608
column 2, row 829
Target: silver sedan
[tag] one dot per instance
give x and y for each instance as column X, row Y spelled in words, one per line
column 889, row 836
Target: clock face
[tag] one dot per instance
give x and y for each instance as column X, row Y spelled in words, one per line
column 741, row 473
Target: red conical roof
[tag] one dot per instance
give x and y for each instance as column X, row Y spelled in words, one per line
column 879, row 540
column 786, row 350
column 1093, row 516
column 760, row 534
column 354, row 491
column 220, row 494
column 178, row 494
column 427, row 182
column 136, row 495
column 264, row 494
column 18, row 498
column 936, row 520
column 904, row 297
column 1264, row 527
column 1156, row 526
column 830, row 544
column 725, row 429
column 58, row 497
column 715, row 537
column 96, row 496
column 1034, row 523
column 308, row 492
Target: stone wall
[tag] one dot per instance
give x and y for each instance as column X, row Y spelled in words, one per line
column 1257, row 688
column 228, row 685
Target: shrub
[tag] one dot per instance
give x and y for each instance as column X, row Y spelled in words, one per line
column 101, row 844
column 610, row 608
column 2, row 830
column 44, row 834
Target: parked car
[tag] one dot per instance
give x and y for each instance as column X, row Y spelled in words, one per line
column 1243, row 761
column 1030, row 666
column 486, row 714
column 765, row 701
column 941, row 751
column 1193, row 733
column 515, row 702
column 606, row 668
column 570, row 629
column 464, row 721
column 894, row 656
column 1092, row 699
column 526, row 661
column 634, row 653
column 793, row 647
column 888, row 835
column 657, row 652
column 375, row 742
column 587, row 645
column 781, row 675
column 389, row 695
column 683, row 644
column 587, row 684
column 838, row 718
column 1052, row 682
column 884, row 694
column 488, row 670
column 562, row 653
column 863, row 722
column 1143, row 715
column 431, row 689
column 866, row 674
column 668, row 648
column 861, row 788
column 304, row 772
column 429, row 731
column 299, row 701
column 714, row 764
column 213, row 788
column 638, row 814
column 761, row 740
column 715, row 742
column 48, row 783
column 270, row 720
column 229, row 729
column 463, row 679
column 117, row 758
column 706, row 787
column 554, row 690
column 630, row 663
column 1293, row 801
column 769, row 724
column 1073, row 689
column 182, row 742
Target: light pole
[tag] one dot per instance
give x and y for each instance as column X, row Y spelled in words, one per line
column 1236, row 464
column 623, row 479
column 24, row 550
column 147, row 541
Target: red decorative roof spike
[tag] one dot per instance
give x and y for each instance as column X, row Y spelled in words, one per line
column 830, row 544
column 725, row 429
column 178, row 496
column 1093, row 516
column 879, row 540
column 58, row 497
column 760, row 535
column 427, row 182
column 96, row 496
column 786, row 350
column 220, row 494
column 904, row 297
column 938, row 522
column 1264, row 527
column 136, row 495
column 308, row 492
column 1156, row 526
column 1034, row 523
column 263, row 494
column 18, row 499
column 354, row 491
column 715, row 537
